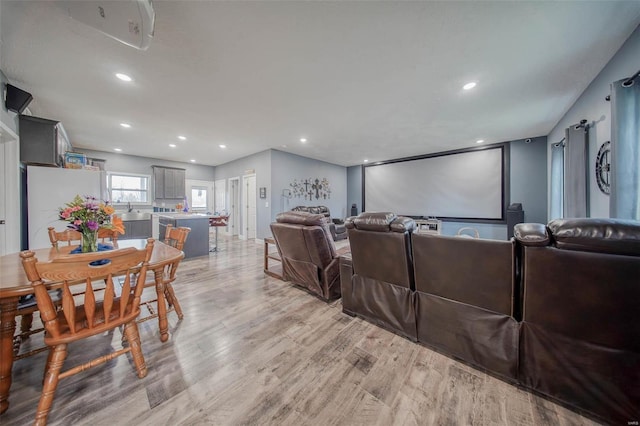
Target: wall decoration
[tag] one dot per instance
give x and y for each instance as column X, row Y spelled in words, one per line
column 311, row 189
column 603, row 168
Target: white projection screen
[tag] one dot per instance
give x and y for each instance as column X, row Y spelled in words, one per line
column 457, row 185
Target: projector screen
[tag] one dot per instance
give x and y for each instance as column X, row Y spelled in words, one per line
column 458, row 185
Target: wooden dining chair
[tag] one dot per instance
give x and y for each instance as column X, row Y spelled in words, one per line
column 27, row 306
column 67, row 236
column 175, row 237
column 96, row 314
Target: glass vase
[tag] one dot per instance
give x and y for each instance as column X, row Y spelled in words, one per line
column 89, row 241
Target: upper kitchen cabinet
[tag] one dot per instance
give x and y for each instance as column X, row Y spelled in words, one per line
column 169, row 182
column 42, row 141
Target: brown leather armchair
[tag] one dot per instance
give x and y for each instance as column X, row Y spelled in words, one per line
column 308, row 253
column 465, row 293
column 580, row 334
column 377, row 278
column 336, row 226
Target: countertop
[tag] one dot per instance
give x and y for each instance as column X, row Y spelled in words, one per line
column 184, row 215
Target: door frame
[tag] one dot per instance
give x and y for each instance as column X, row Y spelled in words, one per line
column 243, row 206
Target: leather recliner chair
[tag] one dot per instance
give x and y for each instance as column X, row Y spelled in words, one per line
column 465, row 300
column 336, row 226
column 308, row 253
column 580, row 333
column 377, row 277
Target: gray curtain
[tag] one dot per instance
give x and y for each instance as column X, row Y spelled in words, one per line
column 576, row 196
column 557, row 180
column 624, row 202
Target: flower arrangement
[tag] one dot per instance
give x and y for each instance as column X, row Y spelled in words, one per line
column 87, row 215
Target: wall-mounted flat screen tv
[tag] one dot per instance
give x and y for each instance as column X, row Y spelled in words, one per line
column 16, row 99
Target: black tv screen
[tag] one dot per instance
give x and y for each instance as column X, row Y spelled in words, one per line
column 17, row 99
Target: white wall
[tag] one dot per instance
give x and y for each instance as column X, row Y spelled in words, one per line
column 593, row 107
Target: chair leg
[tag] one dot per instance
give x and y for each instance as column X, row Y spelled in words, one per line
column 173, row 300
column 57, row 355
column 133, row 337
column 25, row 325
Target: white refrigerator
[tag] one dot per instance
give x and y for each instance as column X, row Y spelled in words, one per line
column 48, row 189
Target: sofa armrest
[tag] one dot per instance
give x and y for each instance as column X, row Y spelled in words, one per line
column 532, row 234
column 337, row 221
column 346, row 272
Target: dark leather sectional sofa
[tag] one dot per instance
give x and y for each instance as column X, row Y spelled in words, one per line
column 556, row 310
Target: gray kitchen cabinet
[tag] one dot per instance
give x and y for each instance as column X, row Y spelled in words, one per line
column 169, row 183
column 136, row 229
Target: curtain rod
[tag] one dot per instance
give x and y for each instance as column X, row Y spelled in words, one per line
column 557, row 144
column 628, row 82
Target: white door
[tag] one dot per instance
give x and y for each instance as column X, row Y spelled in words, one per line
column 234, row 206
column 3, row 203
column 9, row 192
column 249, row 211
column 220, row 201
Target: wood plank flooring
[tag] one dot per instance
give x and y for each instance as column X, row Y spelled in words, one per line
column 253, row 350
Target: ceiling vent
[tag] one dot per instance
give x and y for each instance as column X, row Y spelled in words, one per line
column 130, row 21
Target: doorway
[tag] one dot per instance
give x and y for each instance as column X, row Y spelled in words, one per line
column 249, row 210
column 9, row 191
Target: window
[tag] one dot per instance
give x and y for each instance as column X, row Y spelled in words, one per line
column 199, row 198
column 128, row 188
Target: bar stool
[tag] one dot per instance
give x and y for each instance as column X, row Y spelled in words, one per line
column 217, row 221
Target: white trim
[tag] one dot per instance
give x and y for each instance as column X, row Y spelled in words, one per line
column 11, row 170
column 243, row 217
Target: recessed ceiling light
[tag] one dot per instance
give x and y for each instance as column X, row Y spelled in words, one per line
column 480, row 141
column 125, row 125
column 284, row 146
column 193, row 161
column 366, row 161
column 222, row 146
column 117, row 149
column 172, row 145
column 123, row 77
column 303, row 140
column 182, row 138
column 469, row 86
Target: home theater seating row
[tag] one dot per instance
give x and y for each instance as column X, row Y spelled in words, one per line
column 336, row 226
column 555, row 310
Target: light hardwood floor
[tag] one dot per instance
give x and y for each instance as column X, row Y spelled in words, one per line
column 254, row 350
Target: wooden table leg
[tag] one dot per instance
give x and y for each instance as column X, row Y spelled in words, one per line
column 8, row 309
column 163, row 324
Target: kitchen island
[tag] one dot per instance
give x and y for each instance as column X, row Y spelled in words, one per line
column 198, row 240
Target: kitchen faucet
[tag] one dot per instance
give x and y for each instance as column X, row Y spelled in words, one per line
column 129, row 208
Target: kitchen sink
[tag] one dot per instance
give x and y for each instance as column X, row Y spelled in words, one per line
column 131, row 216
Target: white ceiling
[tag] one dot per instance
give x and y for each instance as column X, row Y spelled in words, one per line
column 358, row 79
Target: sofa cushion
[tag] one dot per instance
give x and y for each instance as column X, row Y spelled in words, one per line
column 612, row 236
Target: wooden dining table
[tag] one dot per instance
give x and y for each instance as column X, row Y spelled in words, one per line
column 14, row 284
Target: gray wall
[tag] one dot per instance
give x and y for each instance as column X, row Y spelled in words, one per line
column 259, row 163
column 354, row 188
column 286, row 167
column 529, row 177
column 133, row 164
column 275, row 170
column 591, row 106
